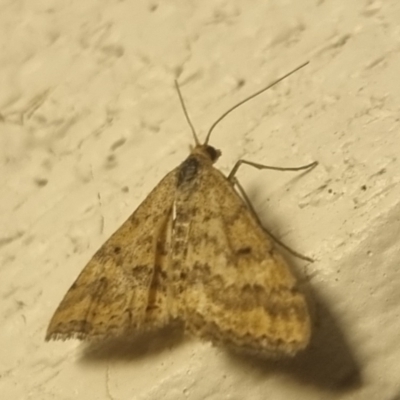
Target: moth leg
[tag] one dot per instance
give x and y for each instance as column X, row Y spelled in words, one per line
column 242, row 192
column 262, row 166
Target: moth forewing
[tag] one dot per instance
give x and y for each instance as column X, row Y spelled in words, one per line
column 237, row 289
column 123, row 287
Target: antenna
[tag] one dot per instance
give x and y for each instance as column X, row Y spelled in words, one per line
column 245, row 101
column 196, row 140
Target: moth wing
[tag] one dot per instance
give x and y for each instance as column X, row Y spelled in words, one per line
column 123, row 287
column 240, row 291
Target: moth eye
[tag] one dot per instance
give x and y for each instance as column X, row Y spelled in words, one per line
column 213, row 153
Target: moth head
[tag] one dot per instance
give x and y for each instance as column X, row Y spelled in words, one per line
column 211, row 153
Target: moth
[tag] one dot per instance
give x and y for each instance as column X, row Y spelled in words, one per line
column 193, row 251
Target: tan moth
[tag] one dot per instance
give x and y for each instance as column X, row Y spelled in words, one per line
column 193, row 251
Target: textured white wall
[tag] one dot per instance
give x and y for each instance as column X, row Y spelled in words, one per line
column 90, row 122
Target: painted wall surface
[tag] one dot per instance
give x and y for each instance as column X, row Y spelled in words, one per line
column 90, row 122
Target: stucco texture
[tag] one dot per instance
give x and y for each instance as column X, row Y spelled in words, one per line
column 90, row 122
